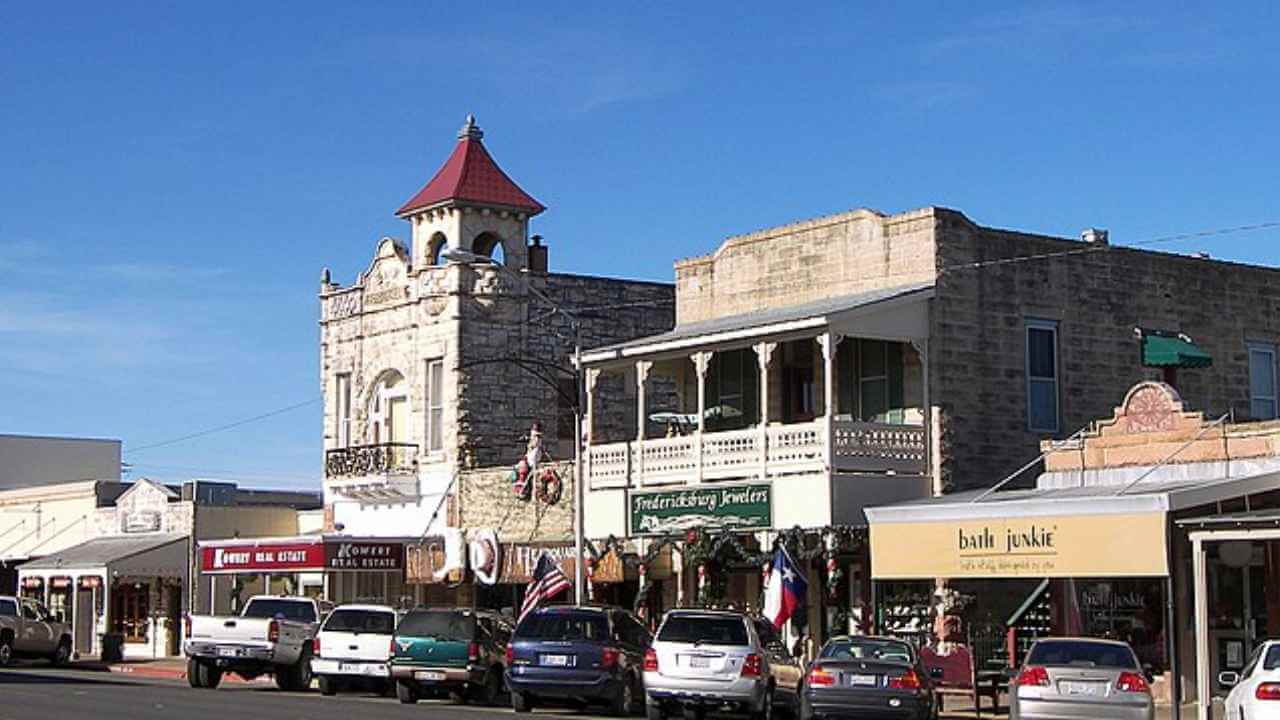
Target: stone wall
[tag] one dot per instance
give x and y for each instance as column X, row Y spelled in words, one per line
column 486, row 500
column 841, row 254
column 1097, row 298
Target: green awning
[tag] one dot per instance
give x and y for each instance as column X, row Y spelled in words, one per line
column 1161, row 351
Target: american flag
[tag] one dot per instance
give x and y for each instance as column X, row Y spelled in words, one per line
column 548, row 582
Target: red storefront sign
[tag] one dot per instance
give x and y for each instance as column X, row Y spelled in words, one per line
column 60, row 583
column 32, row 583
column 264, row 558
column 89, row 582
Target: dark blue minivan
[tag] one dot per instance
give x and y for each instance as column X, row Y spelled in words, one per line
column 578, row 655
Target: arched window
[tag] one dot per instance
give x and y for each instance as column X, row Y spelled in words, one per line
column 489, row 245
column 435, row 246
column 389, row 409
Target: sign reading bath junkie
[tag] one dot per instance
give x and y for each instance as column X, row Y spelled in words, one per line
column 1117, row 545
column 709, row 506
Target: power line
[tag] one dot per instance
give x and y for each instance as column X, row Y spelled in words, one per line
column 228, row 426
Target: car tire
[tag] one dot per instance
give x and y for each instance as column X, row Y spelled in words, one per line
column 328, row 685
column 6, row 649
column 62, row 655
column 624, row 703
column 458, row 697
column 806, row 710
column 193, row 673
column 490, row 689
column 653, row 711
column 520, row 702
column 765, row 711
column 694, row 712
column 406, row 693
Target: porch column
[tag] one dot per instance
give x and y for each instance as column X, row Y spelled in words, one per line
column 642, row 378
column 591, row 377
column 935, row 473
column 701, row 361
column 828, row 341
column 764, row 353
column 1201, row 586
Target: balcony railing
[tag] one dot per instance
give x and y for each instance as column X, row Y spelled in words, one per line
column 749, row 453
column 364, row 460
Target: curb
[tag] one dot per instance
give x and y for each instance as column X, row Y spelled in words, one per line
column 176, row 673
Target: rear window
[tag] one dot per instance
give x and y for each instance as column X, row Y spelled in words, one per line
column 867, row 650
column 361, row 621
column 563, row 626
column 8, row 608
column 438, row 625
column 1272, row 660
column 1081, row 653
column 281, row 609
column 704, row 630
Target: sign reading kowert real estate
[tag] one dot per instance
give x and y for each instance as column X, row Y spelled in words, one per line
column 661, row 512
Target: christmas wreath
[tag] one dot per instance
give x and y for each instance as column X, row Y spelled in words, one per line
column 550, row 487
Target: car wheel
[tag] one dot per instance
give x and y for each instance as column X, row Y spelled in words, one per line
column 209, row 675
column 694, row 712
column 193, row 673
column 653, row 711
column 806, row 710
column 406, row 693
column 458, row 697
column 490, row 689
column 624, row 702
column 328, row 685
column 766, row 706
column 520, row 702
column 62, row 655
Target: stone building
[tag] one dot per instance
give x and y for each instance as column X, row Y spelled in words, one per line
column 864, row 359
column 430, row 368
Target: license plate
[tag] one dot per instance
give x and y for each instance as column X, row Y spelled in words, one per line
column 228, row 652
column 554, row 660
column 1079, row 688
column 699, row 662
column 864, row 680
column 428, row 675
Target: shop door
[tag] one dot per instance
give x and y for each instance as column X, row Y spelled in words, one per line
column 1237, row 606
column 131, row 611
column 84, row 622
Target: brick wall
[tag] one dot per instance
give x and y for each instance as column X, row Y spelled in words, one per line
column 486, row 500
column 1097, row 298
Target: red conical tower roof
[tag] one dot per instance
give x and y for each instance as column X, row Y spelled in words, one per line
column 471, row 175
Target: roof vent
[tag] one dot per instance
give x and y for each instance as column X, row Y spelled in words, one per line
column 1095, row 236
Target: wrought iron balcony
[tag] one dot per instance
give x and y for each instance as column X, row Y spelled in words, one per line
column 365, row 460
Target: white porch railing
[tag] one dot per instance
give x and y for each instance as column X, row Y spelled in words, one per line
column 787, row 450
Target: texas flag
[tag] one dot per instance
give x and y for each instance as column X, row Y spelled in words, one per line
column 785, row 590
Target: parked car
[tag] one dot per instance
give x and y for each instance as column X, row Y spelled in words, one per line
column 1255, row 690
column 450, row 650
column 27, row 629
column 272, row 635
column 352, row 648
column 713, row 660
column 578, row 655
column 867, row 677
column 1081, row 678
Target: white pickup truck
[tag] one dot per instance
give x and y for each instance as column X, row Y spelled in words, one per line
column 272, row 635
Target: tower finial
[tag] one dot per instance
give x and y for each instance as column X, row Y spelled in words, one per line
column 470, row 129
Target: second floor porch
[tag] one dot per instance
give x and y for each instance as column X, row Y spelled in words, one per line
column 839, row 386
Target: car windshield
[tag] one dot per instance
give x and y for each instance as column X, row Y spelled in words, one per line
column 867, row 649
column 438, row 625
column 704, row 630
column 1082, row 653
column 563, row 626
column 361, row 621
column 281, row 610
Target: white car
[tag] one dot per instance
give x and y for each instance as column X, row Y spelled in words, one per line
column 1255, row 690
column 353, row 647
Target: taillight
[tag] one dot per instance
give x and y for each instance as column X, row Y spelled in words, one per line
column 186, row 626
column 609, row 657
column 391, row 649
column 651, row 660
column 819, row 676
column 1267, row 691
column 315, row 647
column 906, row 681
column 752, row 666
column 473, row 652
column 1033, row 677
column 1132, row 682
column 511, row 655
column 273, row 631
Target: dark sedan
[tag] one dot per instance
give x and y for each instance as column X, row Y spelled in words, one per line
column 867, row 677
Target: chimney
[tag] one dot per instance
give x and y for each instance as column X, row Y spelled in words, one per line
column 1095, row 236
column 537, row 255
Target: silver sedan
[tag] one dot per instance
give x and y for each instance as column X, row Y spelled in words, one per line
column 1085, row 678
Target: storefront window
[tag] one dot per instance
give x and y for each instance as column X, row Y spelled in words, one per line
column 1131, row 610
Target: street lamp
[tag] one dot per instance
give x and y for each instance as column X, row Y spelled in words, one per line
column 458, row 255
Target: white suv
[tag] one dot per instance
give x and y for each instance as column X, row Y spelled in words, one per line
column 712, row 660
column 352, row 648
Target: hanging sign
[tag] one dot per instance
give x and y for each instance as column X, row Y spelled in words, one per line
column 363, row 555
column 662, row 512
column 485, row 555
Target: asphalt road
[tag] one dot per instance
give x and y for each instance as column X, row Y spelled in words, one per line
column 31, row 693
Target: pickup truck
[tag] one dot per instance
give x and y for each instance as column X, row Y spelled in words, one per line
column 28, row 630
column 271, row 635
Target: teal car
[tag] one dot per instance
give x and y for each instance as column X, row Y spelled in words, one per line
column 461, row 653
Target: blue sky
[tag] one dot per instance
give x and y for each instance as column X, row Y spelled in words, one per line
column 175, row 176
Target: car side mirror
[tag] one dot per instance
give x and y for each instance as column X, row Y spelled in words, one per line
column 936, row 673
column 1228, row 678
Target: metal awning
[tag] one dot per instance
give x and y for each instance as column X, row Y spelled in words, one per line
column 1167, row 351
column 1248, row 520
column 160, row 555
column 762, row 323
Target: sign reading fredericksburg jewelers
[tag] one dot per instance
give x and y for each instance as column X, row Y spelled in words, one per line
column 661, row 512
